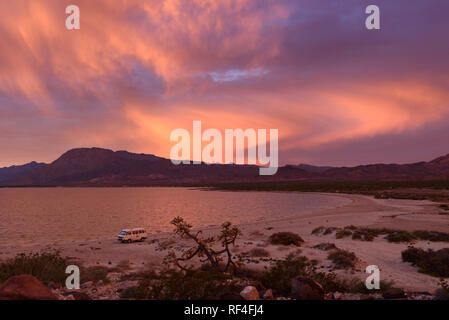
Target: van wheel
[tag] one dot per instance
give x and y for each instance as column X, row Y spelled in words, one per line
column 129, row 241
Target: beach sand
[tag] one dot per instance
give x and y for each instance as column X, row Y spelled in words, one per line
column 362, row 211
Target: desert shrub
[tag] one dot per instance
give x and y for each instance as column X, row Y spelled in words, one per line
column 343, row 259
column 396, row 236
column 189, row 284
column 286, row 238
column 434, row 263
column 279, row 277
column 259, row 252
column 325, row 246
column 364, row 234
column 343, row 233
column 329, row 230
column 434, row 236
column 400, row 236
column 48, row 267
column 318, row 230
column 94, row 274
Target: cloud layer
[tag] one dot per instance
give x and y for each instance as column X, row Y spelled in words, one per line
column 137, row 69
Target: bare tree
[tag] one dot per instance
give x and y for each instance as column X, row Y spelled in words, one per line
column 204, row 247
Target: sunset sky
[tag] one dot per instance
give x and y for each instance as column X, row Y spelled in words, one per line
column 338, row 93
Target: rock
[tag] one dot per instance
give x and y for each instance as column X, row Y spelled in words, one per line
column 231, row 296
column 25, row 287
column 394, row 293
column 81, row 295
column 306, row 289
column 106, row 290
column 70, row 297
column 337, row 296
column 329, row 296
column 114, row 276
column 125, row 285
column 87, row 285
column 250, row 293
column 268, row 295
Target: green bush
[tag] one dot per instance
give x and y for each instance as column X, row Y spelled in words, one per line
column 434, row 263
column 48, row 267
column 286, row 238
column 342, row 259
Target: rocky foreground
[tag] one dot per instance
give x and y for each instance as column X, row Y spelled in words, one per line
column 27, row 287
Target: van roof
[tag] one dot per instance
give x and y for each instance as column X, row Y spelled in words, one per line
column 135, row 229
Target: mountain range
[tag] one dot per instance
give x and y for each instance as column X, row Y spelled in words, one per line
column 102, row 167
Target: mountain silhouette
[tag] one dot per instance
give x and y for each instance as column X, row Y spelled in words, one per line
column 103, row 167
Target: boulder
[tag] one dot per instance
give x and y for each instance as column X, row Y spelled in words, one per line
column 268, row 295
column 25, row 287
column 250, row 293
column 114, row 276
column 306, row 289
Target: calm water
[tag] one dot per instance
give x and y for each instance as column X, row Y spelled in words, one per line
column 52, row 215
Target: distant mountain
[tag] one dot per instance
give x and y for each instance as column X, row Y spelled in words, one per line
column 313, row 169
column 102, row 167
column 12, row 173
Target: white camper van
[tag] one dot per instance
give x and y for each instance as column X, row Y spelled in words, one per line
column 131, row 235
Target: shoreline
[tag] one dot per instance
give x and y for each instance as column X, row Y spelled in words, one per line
column 361, row 211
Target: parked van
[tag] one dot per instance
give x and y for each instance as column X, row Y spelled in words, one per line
column 131, row 235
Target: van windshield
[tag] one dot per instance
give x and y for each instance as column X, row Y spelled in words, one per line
column 123, row 233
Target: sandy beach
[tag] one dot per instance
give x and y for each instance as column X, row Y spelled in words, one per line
column 362, row 210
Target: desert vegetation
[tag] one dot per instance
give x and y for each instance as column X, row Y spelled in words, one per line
column 48, row 267
column 286, row 239
column 413, row 190
column 391, row 235
column 434, row 263
column 342, row 259
column 205, row 247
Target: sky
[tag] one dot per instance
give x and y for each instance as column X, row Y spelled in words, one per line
column 339, row 94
